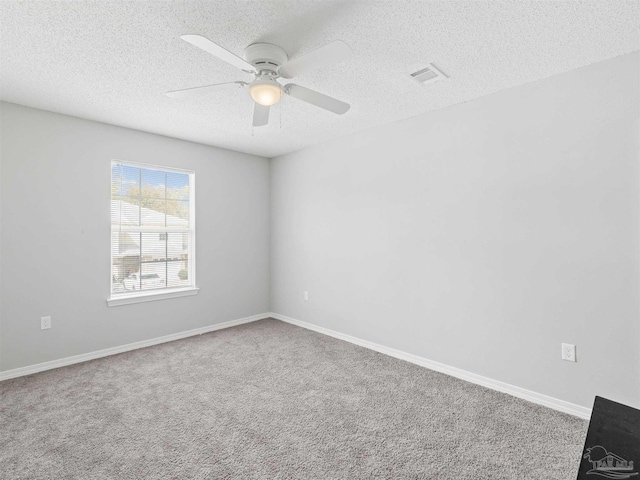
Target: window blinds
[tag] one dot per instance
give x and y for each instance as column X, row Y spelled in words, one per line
column 152, row 229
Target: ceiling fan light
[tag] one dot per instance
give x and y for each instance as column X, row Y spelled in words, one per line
column 266, row 94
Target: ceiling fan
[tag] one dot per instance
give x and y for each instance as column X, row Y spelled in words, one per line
column 267, row 63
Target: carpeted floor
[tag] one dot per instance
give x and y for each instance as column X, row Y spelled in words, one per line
column 268, row 400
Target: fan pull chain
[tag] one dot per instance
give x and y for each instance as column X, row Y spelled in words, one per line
column 253, row 127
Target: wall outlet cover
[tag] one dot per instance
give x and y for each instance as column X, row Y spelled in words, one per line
column 568, row 352
column 45, row 323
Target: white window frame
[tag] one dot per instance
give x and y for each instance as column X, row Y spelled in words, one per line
column 152, row 295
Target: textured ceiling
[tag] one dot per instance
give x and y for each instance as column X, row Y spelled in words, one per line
column 111, row 61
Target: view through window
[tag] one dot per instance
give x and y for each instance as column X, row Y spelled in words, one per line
column 152, row 229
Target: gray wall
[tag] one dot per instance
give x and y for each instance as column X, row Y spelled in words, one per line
column 481, row 236
column 55, row 236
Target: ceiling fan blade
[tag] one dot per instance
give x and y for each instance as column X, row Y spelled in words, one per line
column 217, row 51
column 317, row 99
column 196, row 91
column 324, row 56
column 260, row 115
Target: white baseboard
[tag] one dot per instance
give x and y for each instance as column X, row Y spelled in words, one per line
column 40, row 367
column 539, row 398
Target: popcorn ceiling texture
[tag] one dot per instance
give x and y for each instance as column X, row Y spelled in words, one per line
column 111, row 61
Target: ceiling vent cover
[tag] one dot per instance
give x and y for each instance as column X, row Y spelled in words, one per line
column 429, row 74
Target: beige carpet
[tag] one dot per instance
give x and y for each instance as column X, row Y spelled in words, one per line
column 268, row 400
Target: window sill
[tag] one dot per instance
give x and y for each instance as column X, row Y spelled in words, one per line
column 127, row 299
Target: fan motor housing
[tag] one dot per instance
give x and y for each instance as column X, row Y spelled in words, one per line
column 265, row 56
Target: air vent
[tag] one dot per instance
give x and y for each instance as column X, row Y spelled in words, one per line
column 429, row 74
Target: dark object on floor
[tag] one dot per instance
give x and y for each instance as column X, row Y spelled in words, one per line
column 612, row 447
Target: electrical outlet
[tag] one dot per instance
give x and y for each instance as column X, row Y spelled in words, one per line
column 306, row 296
column 568, row 352
column 45, row 322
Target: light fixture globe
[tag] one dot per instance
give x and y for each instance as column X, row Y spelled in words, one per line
column 265, row 91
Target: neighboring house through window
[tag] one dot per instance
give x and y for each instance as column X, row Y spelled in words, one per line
column 152, row 232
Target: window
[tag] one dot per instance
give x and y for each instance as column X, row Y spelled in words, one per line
column 152, row 233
